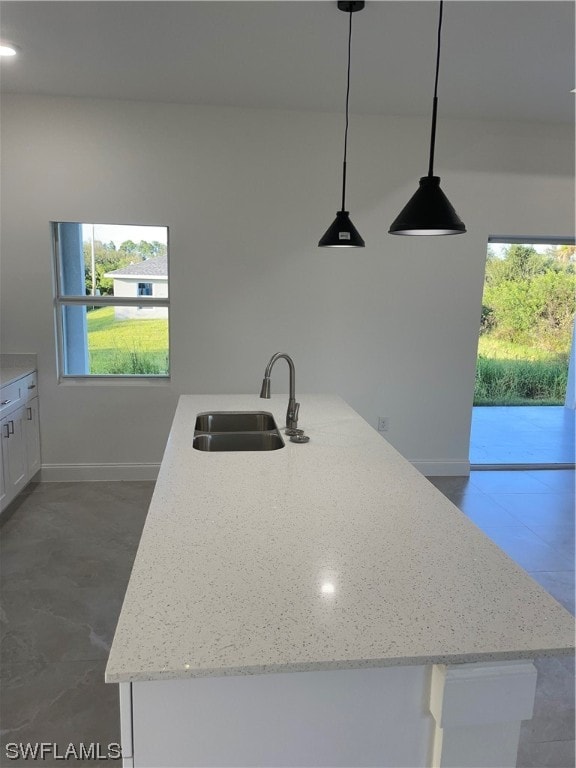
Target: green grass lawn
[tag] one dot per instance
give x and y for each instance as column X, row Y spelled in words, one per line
column 491, row 347
column 513, row 374
column 134, row 346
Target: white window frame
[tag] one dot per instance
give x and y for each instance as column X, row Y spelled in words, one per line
column 62, row 300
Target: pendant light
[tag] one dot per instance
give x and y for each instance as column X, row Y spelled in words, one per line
column 342, row 233
column 429, row 212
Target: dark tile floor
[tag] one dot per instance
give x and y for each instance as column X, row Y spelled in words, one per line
column 530, row 515
column 66, row 555
column 523, row 435
column 67, row 551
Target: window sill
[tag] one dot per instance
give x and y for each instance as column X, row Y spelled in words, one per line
column 114, row 381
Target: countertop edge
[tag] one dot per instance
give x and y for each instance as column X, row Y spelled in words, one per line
column 11, row 375
column 327, row 666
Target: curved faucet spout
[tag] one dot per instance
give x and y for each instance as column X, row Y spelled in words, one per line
column 293, row 406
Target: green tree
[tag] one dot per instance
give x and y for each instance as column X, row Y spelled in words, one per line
column 553, row 294
column 160, row 249
column 104, row 284
column 563, row 255
column 151, row 250
column 129, row 253
column 511, row 309
column 537, row 311
column 108, row 258
column 519, row 262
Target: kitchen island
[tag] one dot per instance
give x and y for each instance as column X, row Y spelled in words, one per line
column 322, row 604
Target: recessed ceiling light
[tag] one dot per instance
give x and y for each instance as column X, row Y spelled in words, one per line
column 7, row 48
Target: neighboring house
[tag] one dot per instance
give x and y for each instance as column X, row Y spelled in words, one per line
column 146, row 278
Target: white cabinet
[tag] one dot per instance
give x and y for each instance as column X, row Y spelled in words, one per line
column 32, row 437
column 3, row 501
column 20, row 436
column 464, row 715
column 14, row 452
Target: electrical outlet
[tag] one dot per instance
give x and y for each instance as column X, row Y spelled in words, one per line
column 383, row 423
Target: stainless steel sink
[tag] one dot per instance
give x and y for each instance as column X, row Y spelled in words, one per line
column 235, row 421
column 236, row 431
column 238, row 441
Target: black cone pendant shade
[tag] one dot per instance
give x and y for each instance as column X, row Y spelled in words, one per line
column 342, row 233
column 429, row 212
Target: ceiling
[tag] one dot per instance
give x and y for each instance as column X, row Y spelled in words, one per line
column 501, row 60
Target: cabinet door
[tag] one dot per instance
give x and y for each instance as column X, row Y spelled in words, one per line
column 29, row 386
column 10, row 395
column 3, row 495
column 14, row 454
column 32, row 434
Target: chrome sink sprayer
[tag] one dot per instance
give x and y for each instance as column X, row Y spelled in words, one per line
column 296, row 435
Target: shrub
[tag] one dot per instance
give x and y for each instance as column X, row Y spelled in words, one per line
column 487, row 319
column 553, row 293
column 536, row 311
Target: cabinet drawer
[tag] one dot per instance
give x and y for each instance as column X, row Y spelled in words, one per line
column 11, row 396
column 29, row 386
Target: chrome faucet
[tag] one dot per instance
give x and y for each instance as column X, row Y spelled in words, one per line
column 293, row 406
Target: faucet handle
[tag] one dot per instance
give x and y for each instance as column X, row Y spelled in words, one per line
column 296, row 412
column 292, row 416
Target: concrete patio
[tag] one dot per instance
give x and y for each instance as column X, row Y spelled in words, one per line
column 522, row 435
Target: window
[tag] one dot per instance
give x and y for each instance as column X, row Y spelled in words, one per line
column 111, row 299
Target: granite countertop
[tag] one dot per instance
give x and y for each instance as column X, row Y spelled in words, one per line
column 334, row 554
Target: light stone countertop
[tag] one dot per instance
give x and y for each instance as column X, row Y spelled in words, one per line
column 334, row 554
column 10, row 375
column 14, row 367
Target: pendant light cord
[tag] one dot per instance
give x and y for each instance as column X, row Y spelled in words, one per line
column 435, row 102
column 347, row 103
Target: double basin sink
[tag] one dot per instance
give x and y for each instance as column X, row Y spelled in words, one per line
column 236, row 431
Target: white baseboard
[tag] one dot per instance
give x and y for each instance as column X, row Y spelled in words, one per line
column 441, row 468
column 77, row 473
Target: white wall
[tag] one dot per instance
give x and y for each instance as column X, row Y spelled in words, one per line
column 247, row 194
column 129, row 287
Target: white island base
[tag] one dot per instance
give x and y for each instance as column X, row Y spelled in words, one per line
column 457, row 716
